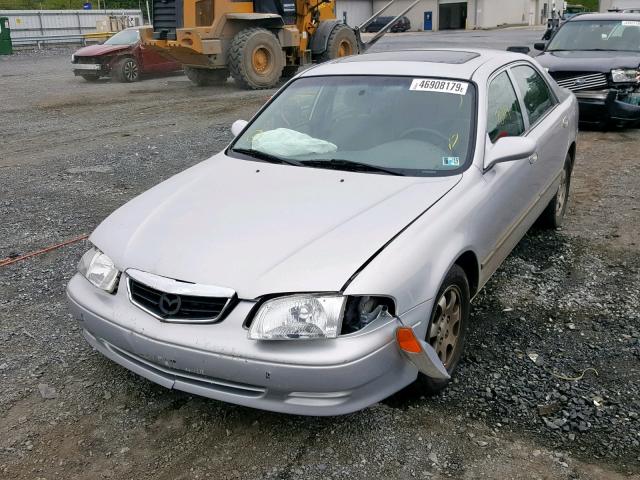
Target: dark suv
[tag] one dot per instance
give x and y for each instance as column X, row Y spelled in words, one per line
column 597, row 56
column 402, row 25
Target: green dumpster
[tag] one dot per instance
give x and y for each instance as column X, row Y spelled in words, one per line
column 6, row 48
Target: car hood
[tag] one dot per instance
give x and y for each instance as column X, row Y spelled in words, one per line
column 579, row 61
column 98, row 50
column 263, row 228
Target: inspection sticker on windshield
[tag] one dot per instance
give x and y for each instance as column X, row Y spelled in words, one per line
column 436, row 85
column 451, row 161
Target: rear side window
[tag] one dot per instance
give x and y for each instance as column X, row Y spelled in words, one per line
column 505, row 116
column 535, row 92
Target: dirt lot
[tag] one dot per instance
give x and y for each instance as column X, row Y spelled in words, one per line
column 72, row 152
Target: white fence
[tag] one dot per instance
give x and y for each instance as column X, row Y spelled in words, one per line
column 27, row 25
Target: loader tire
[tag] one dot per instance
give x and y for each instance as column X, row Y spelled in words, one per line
column 342, row 43
column 255, row 59
column 205, row 77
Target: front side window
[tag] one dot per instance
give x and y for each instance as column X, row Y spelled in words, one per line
column 393, row 123
column 534, row 90
column 590, row 35
column 504, row 114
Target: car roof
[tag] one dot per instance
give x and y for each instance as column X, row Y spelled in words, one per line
column 442, row 62
column 585, row 17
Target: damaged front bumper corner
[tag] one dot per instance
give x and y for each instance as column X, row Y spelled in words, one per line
column 420, row 354
column 613, row 104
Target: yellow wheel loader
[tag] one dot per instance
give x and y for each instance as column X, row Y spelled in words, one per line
column 258, row 42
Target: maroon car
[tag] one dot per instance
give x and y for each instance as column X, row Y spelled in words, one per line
column 122, row 57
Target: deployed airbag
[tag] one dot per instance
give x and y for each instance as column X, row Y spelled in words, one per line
column 289, row 143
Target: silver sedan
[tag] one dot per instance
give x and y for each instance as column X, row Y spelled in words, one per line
column 328, row 256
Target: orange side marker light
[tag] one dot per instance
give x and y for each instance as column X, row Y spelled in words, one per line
column 407, row 340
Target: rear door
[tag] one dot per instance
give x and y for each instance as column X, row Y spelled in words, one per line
column 548, row 123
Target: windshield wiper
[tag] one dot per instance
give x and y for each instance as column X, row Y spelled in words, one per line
column 595, row 50
column 350, row 165
column 266, row 157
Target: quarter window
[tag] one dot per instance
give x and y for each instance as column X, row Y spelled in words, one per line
column 505, row 116
column 537, row 97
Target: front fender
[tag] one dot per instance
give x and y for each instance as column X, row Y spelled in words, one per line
column 412, row 267
column 320, row 38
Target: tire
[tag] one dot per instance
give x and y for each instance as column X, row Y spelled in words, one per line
column 341, row 43
column 255, row 59
column 553, row 215
column 444, row 325
column 205, row 77
column 127, row 70
column 91, row 78
column 289, row 71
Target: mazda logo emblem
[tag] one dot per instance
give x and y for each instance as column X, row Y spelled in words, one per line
column 169, row 304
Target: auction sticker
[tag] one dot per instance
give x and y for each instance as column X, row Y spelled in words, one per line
column 631, row 23
column 438, row 85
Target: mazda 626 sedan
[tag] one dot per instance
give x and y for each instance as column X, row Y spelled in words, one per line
column 328, row 256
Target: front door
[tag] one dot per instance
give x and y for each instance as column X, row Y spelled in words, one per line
column 509, row 190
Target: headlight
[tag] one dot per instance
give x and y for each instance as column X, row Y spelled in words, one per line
column 299, row 317
column 624, row 75
column 99, row 269
column 73, row 57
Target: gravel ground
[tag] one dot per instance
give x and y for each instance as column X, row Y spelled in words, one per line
column 549, row 386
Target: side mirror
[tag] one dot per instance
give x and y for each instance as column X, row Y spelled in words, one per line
column 523, row 50
column 509, row 149
column 238, row 126
column 540, row 46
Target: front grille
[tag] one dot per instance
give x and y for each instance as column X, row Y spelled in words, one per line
column 167, row 17
column 86, row 60
column 581, row 82
column 170, row 306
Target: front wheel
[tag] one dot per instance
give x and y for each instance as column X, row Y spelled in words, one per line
column 553, row 215
column 448, row 326
column 256, row 59
column 126, row 70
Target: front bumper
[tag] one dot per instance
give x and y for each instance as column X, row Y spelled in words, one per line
column 89, row 69
column 323, row 377
column 599, row 106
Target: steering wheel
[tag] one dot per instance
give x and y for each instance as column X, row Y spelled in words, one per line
column 434, row 134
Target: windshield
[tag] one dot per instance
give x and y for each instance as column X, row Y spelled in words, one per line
column 125, row 37
column 612, row 35
column 398, row 125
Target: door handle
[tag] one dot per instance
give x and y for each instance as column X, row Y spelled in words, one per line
column 565, row 122
column 533, row 158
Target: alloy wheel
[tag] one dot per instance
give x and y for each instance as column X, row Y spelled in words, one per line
column 130, row 70
column 445, row 329
column 562, row 193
